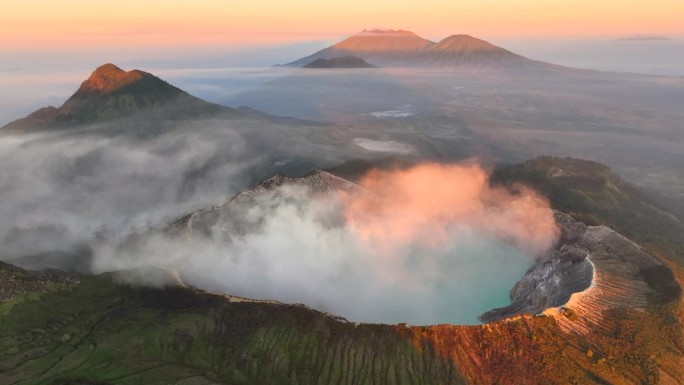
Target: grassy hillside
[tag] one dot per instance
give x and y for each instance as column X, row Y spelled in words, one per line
column 101, row 332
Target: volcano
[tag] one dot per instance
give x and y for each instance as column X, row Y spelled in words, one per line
column 599, row 310
column 111, row 93
column 591, row 270
column 399, row 48
column 378, row 47
column 468, row 51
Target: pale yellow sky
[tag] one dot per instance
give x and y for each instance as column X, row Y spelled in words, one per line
column 35, row 24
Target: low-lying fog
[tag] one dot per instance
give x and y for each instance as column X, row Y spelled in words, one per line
column 662, row 55
column 31, row 80
column 431, row 245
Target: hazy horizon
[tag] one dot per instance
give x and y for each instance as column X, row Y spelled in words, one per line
column 33, row 79
column 48, row 48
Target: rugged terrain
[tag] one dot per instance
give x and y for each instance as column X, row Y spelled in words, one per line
column 592, row 270
column 592, row 266
column 231, row 219
column 625, row 328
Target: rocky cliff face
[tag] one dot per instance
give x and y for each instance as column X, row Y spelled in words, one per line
column 231, row 219
column 599, row 310
column 593, row 269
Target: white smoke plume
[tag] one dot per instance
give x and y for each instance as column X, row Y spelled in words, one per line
column 429, row 244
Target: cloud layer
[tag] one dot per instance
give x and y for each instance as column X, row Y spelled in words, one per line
column 61, row 188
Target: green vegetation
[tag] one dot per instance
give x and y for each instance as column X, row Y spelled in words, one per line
column 101, row 332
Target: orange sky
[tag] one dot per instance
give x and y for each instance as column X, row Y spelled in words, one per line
column 37, row 24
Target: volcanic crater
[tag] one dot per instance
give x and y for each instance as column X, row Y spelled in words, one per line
column 588, row 271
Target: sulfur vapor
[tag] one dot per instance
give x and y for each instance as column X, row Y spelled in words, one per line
column 429, row 244
column 423, row 204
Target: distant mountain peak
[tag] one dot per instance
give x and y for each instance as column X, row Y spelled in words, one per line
column 383, row 41
column 385, row 32
column 401, row 48
column 464, row 43
column 108, row 69
column 107, row 78
column 111, row 93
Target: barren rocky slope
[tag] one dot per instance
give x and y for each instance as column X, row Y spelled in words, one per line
column 592, row 270
column 229, row 219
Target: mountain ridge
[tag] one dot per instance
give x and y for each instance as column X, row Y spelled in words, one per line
column 400, row 48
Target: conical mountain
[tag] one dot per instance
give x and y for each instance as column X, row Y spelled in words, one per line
column 378, row 47
column 468, row 51
column 112, row 93
column 465, row 43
